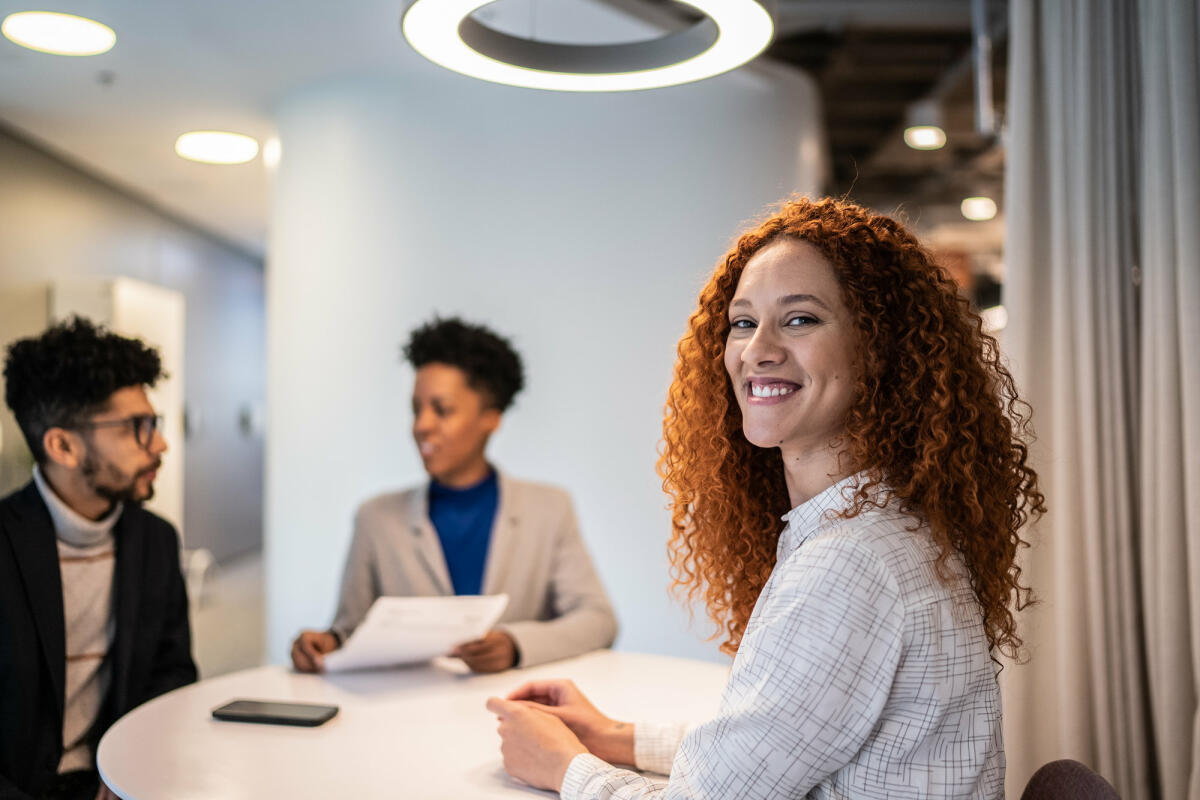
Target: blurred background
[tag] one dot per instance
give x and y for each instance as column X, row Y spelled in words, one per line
column 383, row 189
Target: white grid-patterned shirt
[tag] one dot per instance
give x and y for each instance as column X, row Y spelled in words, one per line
column 861, row 675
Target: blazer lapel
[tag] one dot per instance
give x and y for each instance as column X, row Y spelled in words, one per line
column 504, row 532
column 427, row 544
column 127, row 579
column 31, row 533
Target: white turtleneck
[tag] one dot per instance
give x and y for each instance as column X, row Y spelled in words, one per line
column 86, row 559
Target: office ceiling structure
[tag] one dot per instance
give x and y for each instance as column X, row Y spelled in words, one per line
column 224, row 64
column 870, row 76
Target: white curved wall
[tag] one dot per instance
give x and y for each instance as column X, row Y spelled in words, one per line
column 580, row 225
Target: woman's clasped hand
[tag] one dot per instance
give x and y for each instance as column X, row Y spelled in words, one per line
column 543, row 725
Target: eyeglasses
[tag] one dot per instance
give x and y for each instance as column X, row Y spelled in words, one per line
column 144, row 426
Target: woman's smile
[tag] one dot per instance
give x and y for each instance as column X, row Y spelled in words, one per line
column 769, row 391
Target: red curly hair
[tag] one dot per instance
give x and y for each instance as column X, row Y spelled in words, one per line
column 936, row 420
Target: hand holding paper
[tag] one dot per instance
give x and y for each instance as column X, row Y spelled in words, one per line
column 495, row 652
column 407, row 630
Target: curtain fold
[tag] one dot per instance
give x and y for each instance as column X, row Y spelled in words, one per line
column 1072, row 342
column 1102, row 195
column 1170, row 390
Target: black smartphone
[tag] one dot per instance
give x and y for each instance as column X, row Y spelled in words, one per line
column 272, row 713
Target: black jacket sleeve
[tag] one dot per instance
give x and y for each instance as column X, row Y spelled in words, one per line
column 9, row 791
column 173, row 665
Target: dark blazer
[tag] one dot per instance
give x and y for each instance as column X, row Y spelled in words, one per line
column 151, row 652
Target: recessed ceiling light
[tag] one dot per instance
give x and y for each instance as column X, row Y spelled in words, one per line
column 978, row 209
column 924, row 137
column 58, row 34
column 216, row 147
column 732, row 33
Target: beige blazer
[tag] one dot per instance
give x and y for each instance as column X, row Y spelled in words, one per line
column 557, row 606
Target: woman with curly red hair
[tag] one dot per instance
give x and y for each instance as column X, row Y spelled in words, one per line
column 831, row 378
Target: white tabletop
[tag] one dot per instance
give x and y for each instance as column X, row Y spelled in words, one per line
column 419, row 732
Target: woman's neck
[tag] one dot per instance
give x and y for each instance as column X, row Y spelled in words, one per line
column 466, row 475
column 810, row 472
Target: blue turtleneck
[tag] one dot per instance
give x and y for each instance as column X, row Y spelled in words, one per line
column 463, row 520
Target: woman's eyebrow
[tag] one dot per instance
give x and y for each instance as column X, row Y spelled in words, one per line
column 787, row 299
column 802, row 298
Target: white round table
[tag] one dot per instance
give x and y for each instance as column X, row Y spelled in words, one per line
column 420, row 732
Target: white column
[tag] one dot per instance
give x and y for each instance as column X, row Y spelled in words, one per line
column 582, row 226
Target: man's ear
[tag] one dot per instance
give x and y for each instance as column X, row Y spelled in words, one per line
column 63, row 447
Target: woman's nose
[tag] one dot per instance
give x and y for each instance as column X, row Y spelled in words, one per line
column 422, row 421
column 763, row 348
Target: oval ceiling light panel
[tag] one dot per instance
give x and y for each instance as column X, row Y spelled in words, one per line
column 925, row 137
column 978, row 209
column 732, row 33
column 58, row 34
column 216, row 147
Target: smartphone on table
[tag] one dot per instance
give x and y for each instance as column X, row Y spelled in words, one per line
column 275, row 713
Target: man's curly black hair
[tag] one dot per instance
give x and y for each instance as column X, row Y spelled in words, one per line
column 492, row 367
column 67, row 374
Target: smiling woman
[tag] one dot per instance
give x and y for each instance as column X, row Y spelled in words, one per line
column 929, row 390
column 791, row 357
column 830, row 369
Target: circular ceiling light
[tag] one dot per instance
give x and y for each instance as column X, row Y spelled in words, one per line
column 924, row 137
column 216, row 147
column 58, row 34
column 732, row 33
column 978, row 209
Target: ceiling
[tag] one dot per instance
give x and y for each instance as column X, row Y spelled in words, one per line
column 182, row 65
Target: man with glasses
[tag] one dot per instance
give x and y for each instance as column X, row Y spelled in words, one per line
column 93, row 612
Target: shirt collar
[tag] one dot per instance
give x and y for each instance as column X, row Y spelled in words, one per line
column 69, row 525
column 817, row 513
column 484, row 486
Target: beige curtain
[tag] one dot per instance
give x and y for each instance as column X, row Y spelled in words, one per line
column 1169, row 215
column 1101, row 288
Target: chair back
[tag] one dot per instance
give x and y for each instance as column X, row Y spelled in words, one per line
column 1068, row 780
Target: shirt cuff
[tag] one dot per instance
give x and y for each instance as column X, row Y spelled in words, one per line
column 655, row 745
column 581, row 768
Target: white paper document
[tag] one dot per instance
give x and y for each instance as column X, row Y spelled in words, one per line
column 408, row 630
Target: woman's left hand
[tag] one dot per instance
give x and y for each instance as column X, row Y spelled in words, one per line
column 537, row 747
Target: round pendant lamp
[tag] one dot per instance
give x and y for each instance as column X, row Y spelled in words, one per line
column 731, row 33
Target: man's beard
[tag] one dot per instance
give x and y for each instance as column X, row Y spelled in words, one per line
column 121, row 493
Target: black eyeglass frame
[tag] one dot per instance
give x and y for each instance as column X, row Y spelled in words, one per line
column 144, row 426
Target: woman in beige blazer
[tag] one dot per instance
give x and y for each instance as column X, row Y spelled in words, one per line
column 466, row 378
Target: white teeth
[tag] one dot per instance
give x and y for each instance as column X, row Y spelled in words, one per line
column 770, row 391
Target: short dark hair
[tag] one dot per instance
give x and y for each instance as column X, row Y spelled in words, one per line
column 491, row 365
column 60, row 378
